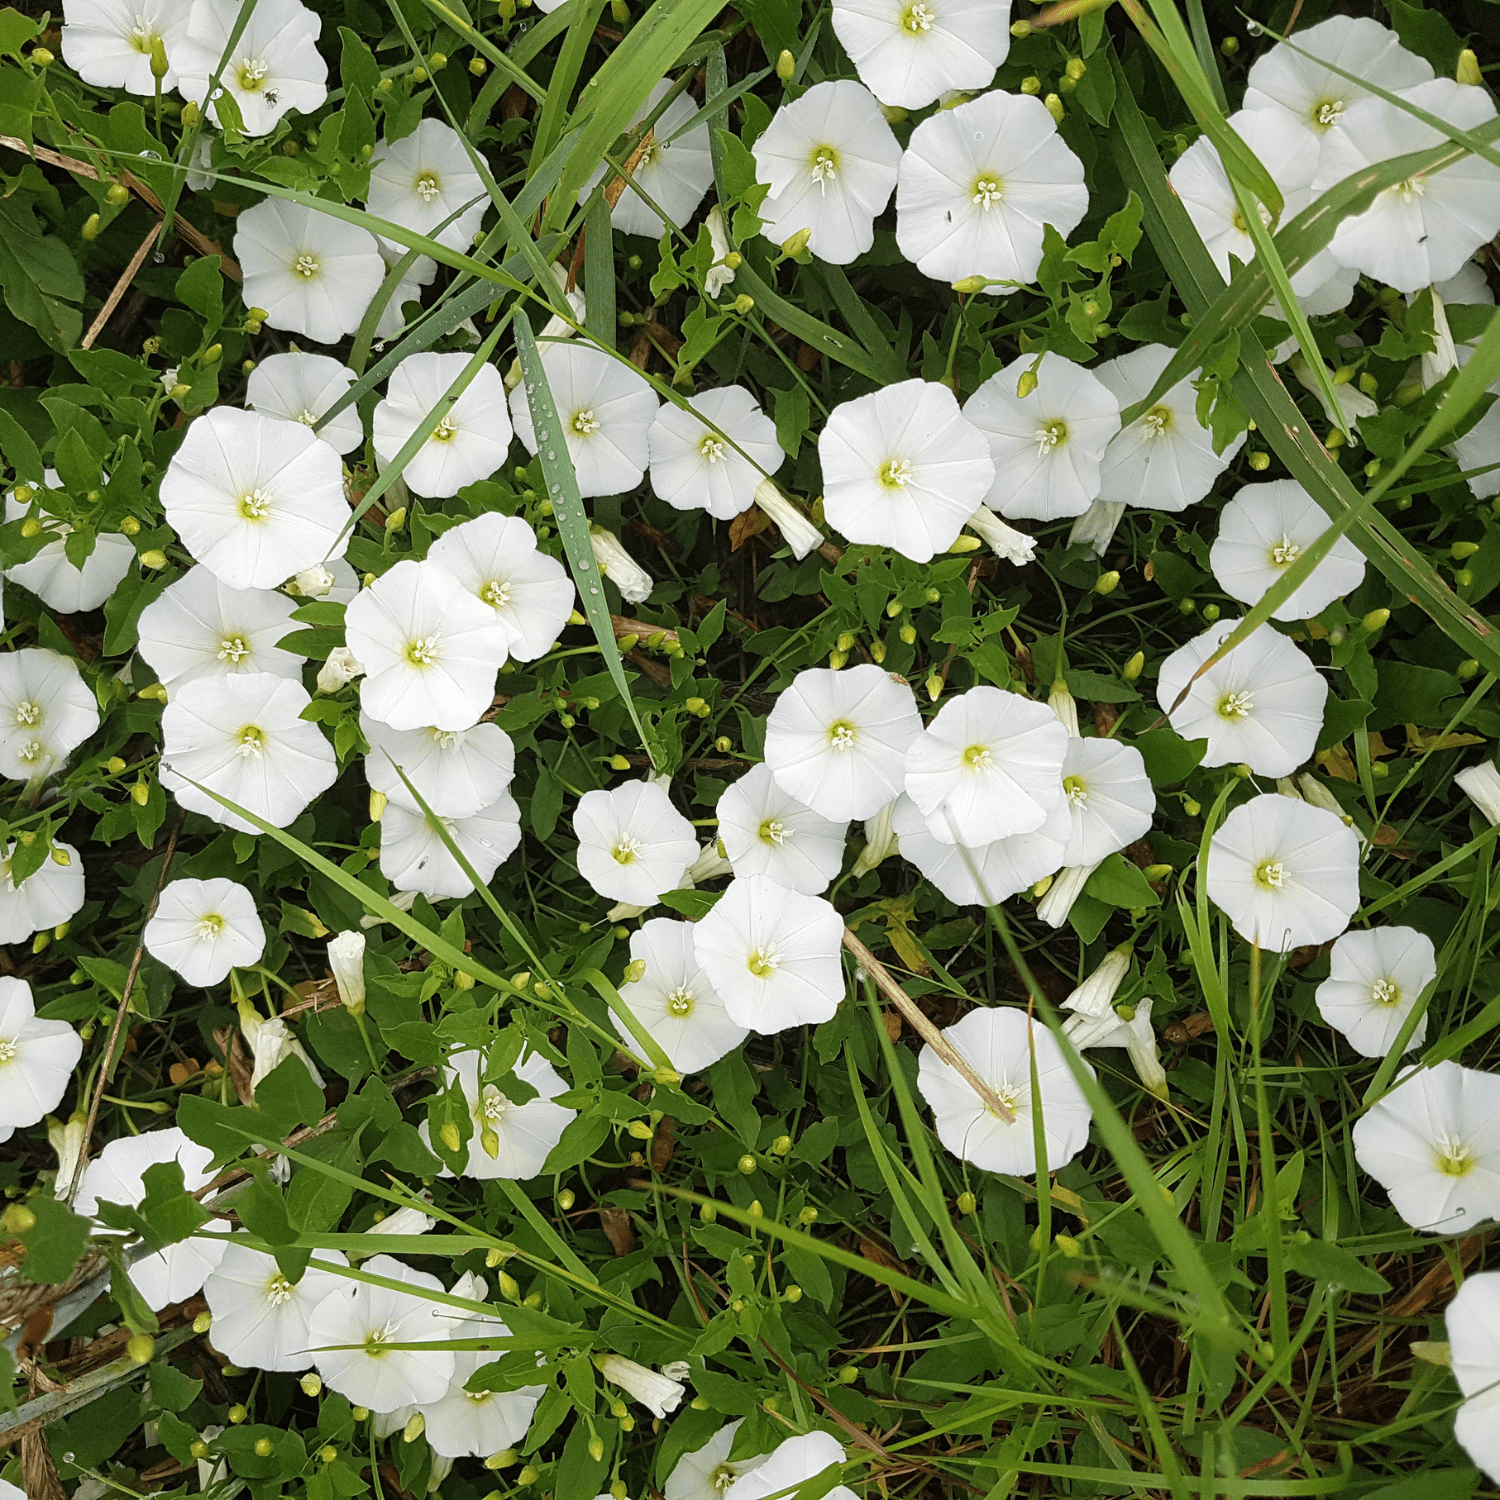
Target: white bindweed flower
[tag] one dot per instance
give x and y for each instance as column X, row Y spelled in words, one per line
column 633, row 845
column 772, row 955
column 47, row 711
column 425, row 180
column 766, row 831
column 674, row 1000
column 1481, row 784
column 880, row 840
column 244, row 738
column 837, row 741
column 903, row 468
column 413, row 856
column 202, row 929
column 1433, row 1143
column 273, row 68
column 1004, row 541
column 1262, row 705
column 986, row 874
column 1059, row 898
column 1095, row 528
column 271, row 1043
column 707, row 1472
column 1472, row 1321
column 830, row 159
column 979, row 183
column 673, row 173
column 605, row 409
column 497, row 559
column 616, row 564
column 108, row 43
column 457, row 772
column 909, row 52
column 1349, row 401
column 1000, row 1045
column 260, row 1315
column 301, row 388
column 1374, row 980
column 339, row 670
column 1285, row 873
column 1047, row 445
column 54, row 580
column 312, row 274
column 255, row 499
column 694, row 468
column 470, row 439
column 1263, row 530
column 1109, row 798
column 37, row 1059
column 1129, row 1027
column 46, row 898
column 660, row 1394
column 1094, row 998
column 510, row 1140
column 67, row 1140
column 200, row 627
column 720, row 274
column 800, row 535
column 346, row 962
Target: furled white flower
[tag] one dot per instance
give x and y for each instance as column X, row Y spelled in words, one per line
column 903, row 468
column 200, row 627
column 271, row 1042
column 616, row 564
column 979, row 183
column 457, row 772
column 1424, row 229
column 470, row 440
column 46, row 712
column 260, row 1315
column 1433, row 1143
column 674, row 1000
column 830, row 159
column 1065, row 889
column 1128, row 1027
column 430, row 648
column 47, row 897
column 908, row 52
column 719, row 275
column 796, row 530
column 706, row 1472
column 54, row 580
column 1047, row 445
column 633, row 845
column 1005, row 541
column 108, row 43
column 496, row 558
column 999, row 1045
column 837, row 741
column 405, row 1220
column 1349, row 402
column 1109, row 799
column 1479, row 447
column 605, row 407
column 37, row 1059
column 255, row 499
column 204, row 928
column 1285, row 873
column 694, row 468
column 1165, row 459
column 988, row 766
column 673, row 173
column 1095, row 528
column 1374, row 980
column 509, row 1140
column 244, row 738
column 766, row 831
column 660, row 1394
column 370, row 1317
column 709, row 865
column 67, row 1140
column 346, row 961
column 1472, row 1321
column 772, row 955
column 1262, row 705
column 319, row 582
column 425, row 179
column 1095, row 996
column 880, row 840
column 413, row 857
column 409, row 284
column 300, row 388
column 339, row 669
column 273, row 68
column 1482, row 785
column 986, row 874
column 311, row 273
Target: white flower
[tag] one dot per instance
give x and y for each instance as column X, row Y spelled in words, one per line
column 108, row 43
column 1005, row 541
column 47, row 897
column 633, row 845
column 414, row 858
column 244, row 738
column 405, row 1221
column 274, row 67
column 67, row 1140
column 1349, row 401
column 1066, row 887
column 371, row 1317
column 54, row 580
column 1374, row 980
column 420, row 273
column 766, row 831
column 1095, row 996
column 903, row 468
column 261, row 1316
column 1109, row 799
column 1165, row 459
column 1130, row 1028
column 496, row 558
column 1472, row 1320
column 987, row 766
column 509, row 1140
column 346, row 960
column 200, row 627
column 880, row 840
column 271, row 1043
column 796, row 530
column 457, row 772
column 1285, row 873
column 1482, row 785
column 202, row 929
column 315, row 582
column 908, row 52
column 694, row 468
column 47, row 711
column 1479, row 447
column 1424, row 229
column 37, row 1059
column 424, row 179
column 980, row 182
column 837, row 741
column 986, row 874
column 470, row 440
column 674, row 1000
column 1433, row 1143
column 615, row 563
column 772, row 955
column 300, row 388
column 430, row 648
column 830, row 159
column 339, row 670
column 255, row 499
column 719, row 275
column 311, row 273
column 709, row 865
column 557, row 327
column 1263, row 704
column 706, row 1472
column 605, row 407
column 673, row 173
column 1047, row 446
column 658, row 1393
column 998, row 1044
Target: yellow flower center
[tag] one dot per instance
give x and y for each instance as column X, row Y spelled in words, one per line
column 279, row 1290
column 979, row 758
column 495, row 593
column 917, row 19
column 713, row 449
column 1271, row 874
column 427, row 186
column 1385, row 992
column 1076, row 791
column 774, row 831
column 841, row 735
column 823, row 165
column 585, row 422
column 896, row 473
column 1454, row 1159
column 1236, row 705
column 987, row 191
column 252, row 74
column 679, row 1003
column 1051, row 435
column 255, row 505
column 307, row 265
column 233, row 649
column 627, row 850
column 8, row 1050
column 445, row 431
column 1285, row 552
column 422, row 651
column 28, row 713
column 210, row 925
column 251, row 743
column 1326, row 112
column 1158, row 421
column 763, row 962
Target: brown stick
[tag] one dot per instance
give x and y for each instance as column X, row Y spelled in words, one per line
column 121, row 287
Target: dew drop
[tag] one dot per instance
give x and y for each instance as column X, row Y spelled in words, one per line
column 592, row 589
column 551, row 453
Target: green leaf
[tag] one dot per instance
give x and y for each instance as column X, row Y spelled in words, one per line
column 288, row 1097
column 201, row 287
column 1117, row 882
column 54, row 1243
column 1336, row 1266
column 1430, row 1484
column 1169, row 757
column 39, row 277
column 691, row 903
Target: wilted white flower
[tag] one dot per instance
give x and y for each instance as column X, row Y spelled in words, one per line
column 37, row 1059
column 471, row 438
column 202, row 929
column 425, row 179
column 108, row 43
column 274, row 67
column 1109, row 799
column 1472, row 1321
column 300, row 388
column 1065, row 889
column 509, row 1140
column 260, row 1315
column 1005, row 541
column 200, row 627
column 1374, row 980
column 674, row 1000
column 67, row 1140
column 658, row 1393
column 47, row 897
column 1095, row 528
column 694, row 468
column 988, row 873
column 719, row 275
column 271, row 1043
column 46, row 712
column 617, row 565
column 339, row 670
column 673, row 173
column 880, row 840
column 54, row 580
column 346, row 961
column 457, row 772
column 706, row 1472
column 1128, row 1027
column 633, row 845
column 909, row 54
column 1349, row 403
column 796, row 530
column 413, row 857
column 766, row 831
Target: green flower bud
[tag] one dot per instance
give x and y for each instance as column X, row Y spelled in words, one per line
column 117, row 194
column 90, row 228
column 786, row 66
column 796, row 244
column 747, row 1164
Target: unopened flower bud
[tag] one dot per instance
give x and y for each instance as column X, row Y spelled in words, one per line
column 140, row 793
column 41, row 57
column 141, row 1349
column 908, row 634
column 781, row 1145
column 1107, row 583
column 1466, row 72
column 786, row 65
column 746, row 1164
column 117, row 194
column 796, row 244
column 478, row 67
column 1376, row 620
column 312, row 1384
column 971, row 285
column 1068, row 1245
column 450, row 1137
column 396, row 520
column 1020, row 28
column 1467, row 669
column 1055, row 107
column 743, row 303
column 1134, row 667
column 1076, row 68
column 90, row 228
column 1259, row 461
column 1031, row 85
column 264, row 1448
column 965, row 543
column 154, row 558
column 1026, row 384
column 934, row 687
column 327, row 1453
column 1461, row 550
column 378, row 801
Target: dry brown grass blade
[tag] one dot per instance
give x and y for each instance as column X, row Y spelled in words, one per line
column 120, row 288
